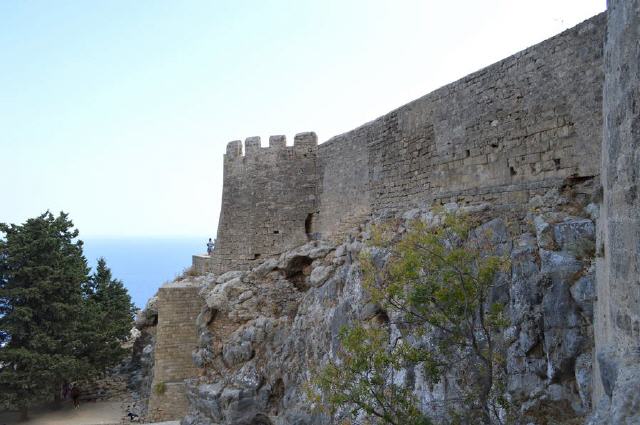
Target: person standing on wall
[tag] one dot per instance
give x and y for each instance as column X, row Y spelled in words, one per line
column 210, row 246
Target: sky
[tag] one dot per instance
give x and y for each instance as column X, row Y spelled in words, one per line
column 118, row 112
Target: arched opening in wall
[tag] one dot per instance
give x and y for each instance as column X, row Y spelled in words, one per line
column 310, row 226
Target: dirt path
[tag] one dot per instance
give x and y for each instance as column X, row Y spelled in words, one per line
column 92, row 413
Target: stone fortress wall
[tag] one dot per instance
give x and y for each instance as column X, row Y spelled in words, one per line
column 500, row 135
column 515, row 129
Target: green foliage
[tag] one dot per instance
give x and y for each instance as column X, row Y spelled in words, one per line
column 108, row 317
column 186, row 273
column 438, row 283
column 364, row 379
column 42, row 271
column 160, row 388
column 57, row 323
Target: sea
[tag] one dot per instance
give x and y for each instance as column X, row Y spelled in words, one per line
column 143, row 264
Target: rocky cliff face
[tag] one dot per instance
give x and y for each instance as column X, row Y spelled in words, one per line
column 264, row 331
column 142, row 359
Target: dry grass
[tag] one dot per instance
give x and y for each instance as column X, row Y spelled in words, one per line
column 188, row 272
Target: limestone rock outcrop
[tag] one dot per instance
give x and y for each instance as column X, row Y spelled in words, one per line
column 263, row 332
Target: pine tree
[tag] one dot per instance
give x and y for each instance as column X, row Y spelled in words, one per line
column 58, row 324
column 42, row 270
column 109, row 316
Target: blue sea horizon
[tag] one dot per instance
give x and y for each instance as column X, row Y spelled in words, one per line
column 143, row 264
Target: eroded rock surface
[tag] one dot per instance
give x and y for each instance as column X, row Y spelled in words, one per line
column 264, row 331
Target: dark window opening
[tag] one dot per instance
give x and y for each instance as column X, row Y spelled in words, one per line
column 310, row 225
column 256, row 256
column 276, row 232
column 512, row 171
column 467, row 153
column 307, row 223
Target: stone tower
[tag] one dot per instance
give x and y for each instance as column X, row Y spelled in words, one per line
column 269, row 200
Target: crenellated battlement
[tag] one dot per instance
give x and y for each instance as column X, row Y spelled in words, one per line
column 302, row 142
column 234, row 149
column 270, row 190
column 278, row 142
column 306, row 140
column 251, row 145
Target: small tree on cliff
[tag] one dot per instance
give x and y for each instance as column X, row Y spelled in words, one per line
column 49, row 323
column 436, row 286
column 364, row 380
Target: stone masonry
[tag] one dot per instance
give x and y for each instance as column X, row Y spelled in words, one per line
column 269, row 199
column 501, row 135
column 178, row 307
column 617, row 326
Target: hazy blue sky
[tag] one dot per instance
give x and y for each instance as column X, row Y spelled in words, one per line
column 118, row 112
